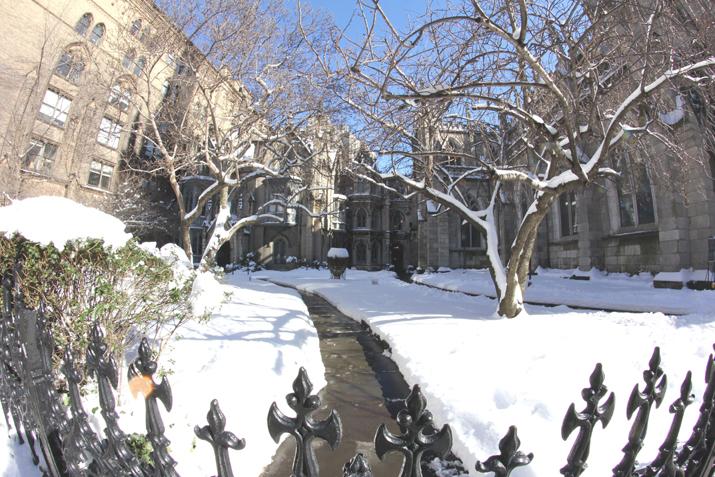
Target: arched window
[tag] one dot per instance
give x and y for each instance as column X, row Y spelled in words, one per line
column 139, row 66
column 396, row 220
column 375, row 219
column 136, row 27
column 70, row 66
column 97, row 33
column 361, row 219
column 279, row 251
column 128, row 59
column 361, row 253
column 83, row 24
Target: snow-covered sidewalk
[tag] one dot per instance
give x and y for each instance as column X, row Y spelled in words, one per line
column 246, row 356
column 482, row 374
column 614, row 291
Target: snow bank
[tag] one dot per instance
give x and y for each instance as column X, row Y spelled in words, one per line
column 338, row 253
column 246, row 355
column 615, row 291
column 482, row 375
column 58, row 220
column 206, row 294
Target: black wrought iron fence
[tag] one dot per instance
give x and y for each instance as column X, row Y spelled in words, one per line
column 70, row 447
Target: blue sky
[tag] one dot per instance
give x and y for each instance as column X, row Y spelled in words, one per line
column 397, row 10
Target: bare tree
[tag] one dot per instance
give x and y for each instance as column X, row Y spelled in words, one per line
column 234, row 107
column 549, row 89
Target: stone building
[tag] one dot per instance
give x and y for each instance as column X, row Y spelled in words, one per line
column 67, row 74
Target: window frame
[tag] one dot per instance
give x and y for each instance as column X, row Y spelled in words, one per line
column 74, row 67
column 80, row 27
column 114, row 132
column 101, row 175
column 47, row 162
column 632, row 190
column 571, row 224
column 474, row 237
column 54, row 118
column 95, row 38
column 361, row 224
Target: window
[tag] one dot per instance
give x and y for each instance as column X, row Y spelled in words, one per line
column 376, row 219
column 40, row 156
column 83, row 24
column 361, row 219
column 197, row 244
column 119, row 97
column 70, row 66
column 471, row 236
column 567, row 214
column 397, row 220
column 139, row 66
column 136, row 27
column 100, row 175
column 128, row 59
column 109, row 132
column 97, row 34
column 362, row 187
column 635, row 199
column 54, row 108
column 361, row 253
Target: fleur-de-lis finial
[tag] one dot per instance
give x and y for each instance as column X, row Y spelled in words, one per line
column 357, row 467
column 509, row 458
column 302, row 427
column 220, row 439
column 417, row 435
column 654, row 392
column 585, row 421
column 141, row 379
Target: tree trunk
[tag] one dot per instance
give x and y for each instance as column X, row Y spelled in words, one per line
column 219, row 234
column 511, row 303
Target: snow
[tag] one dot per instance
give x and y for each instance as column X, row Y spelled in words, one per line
column 246, row 355
column 206, row 293
column 673, row 117
column 338, row 253
column 612, row 291
column 57, row 220
column 482, row 374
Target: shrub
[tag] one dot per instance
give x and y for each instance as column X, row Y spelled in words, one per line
column 128, row 291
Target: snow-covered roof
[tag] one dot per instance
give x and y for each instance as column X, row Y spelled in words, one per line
column 58, row 220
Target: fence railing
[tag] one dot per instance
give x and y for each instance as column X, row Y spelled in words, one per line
column 70, row 447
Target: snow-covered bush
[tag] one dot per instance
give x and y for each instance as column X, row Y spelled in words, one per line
column 127, row 289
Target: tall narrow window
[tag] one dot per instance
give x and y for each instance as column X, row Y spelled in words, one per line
column 54, row 108
column 97, row 34
column 567, row 214
column 119, row 97
column 109, row 132
column 100, row 175
column 471, row 236
column 83, row 24
column 361, row 219
column 70, row 66
column 139, row 66
column 40, row 157
column 128, row 59
column 397, row 220
column 136, row 27
column 635, row 198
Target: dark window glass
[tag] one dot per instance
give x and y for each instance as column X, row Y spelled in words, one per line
column 70, row 67
column 97, row 33
column 40, row 157
column 83, row 24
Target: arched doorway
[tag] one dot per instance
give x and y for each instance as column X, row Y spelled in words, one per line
column 279, row 251
column 223, row 256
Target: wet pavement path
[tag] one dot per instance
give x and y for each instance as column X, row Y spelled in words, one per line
column 364, row 386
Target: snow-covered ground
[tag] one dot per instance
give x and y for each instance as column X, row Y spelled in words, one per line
column 613, row 291
column 246, row 356
column 481, row 374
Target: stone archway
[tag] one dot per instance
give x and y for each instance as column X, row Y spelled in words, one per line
column 223, row 256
